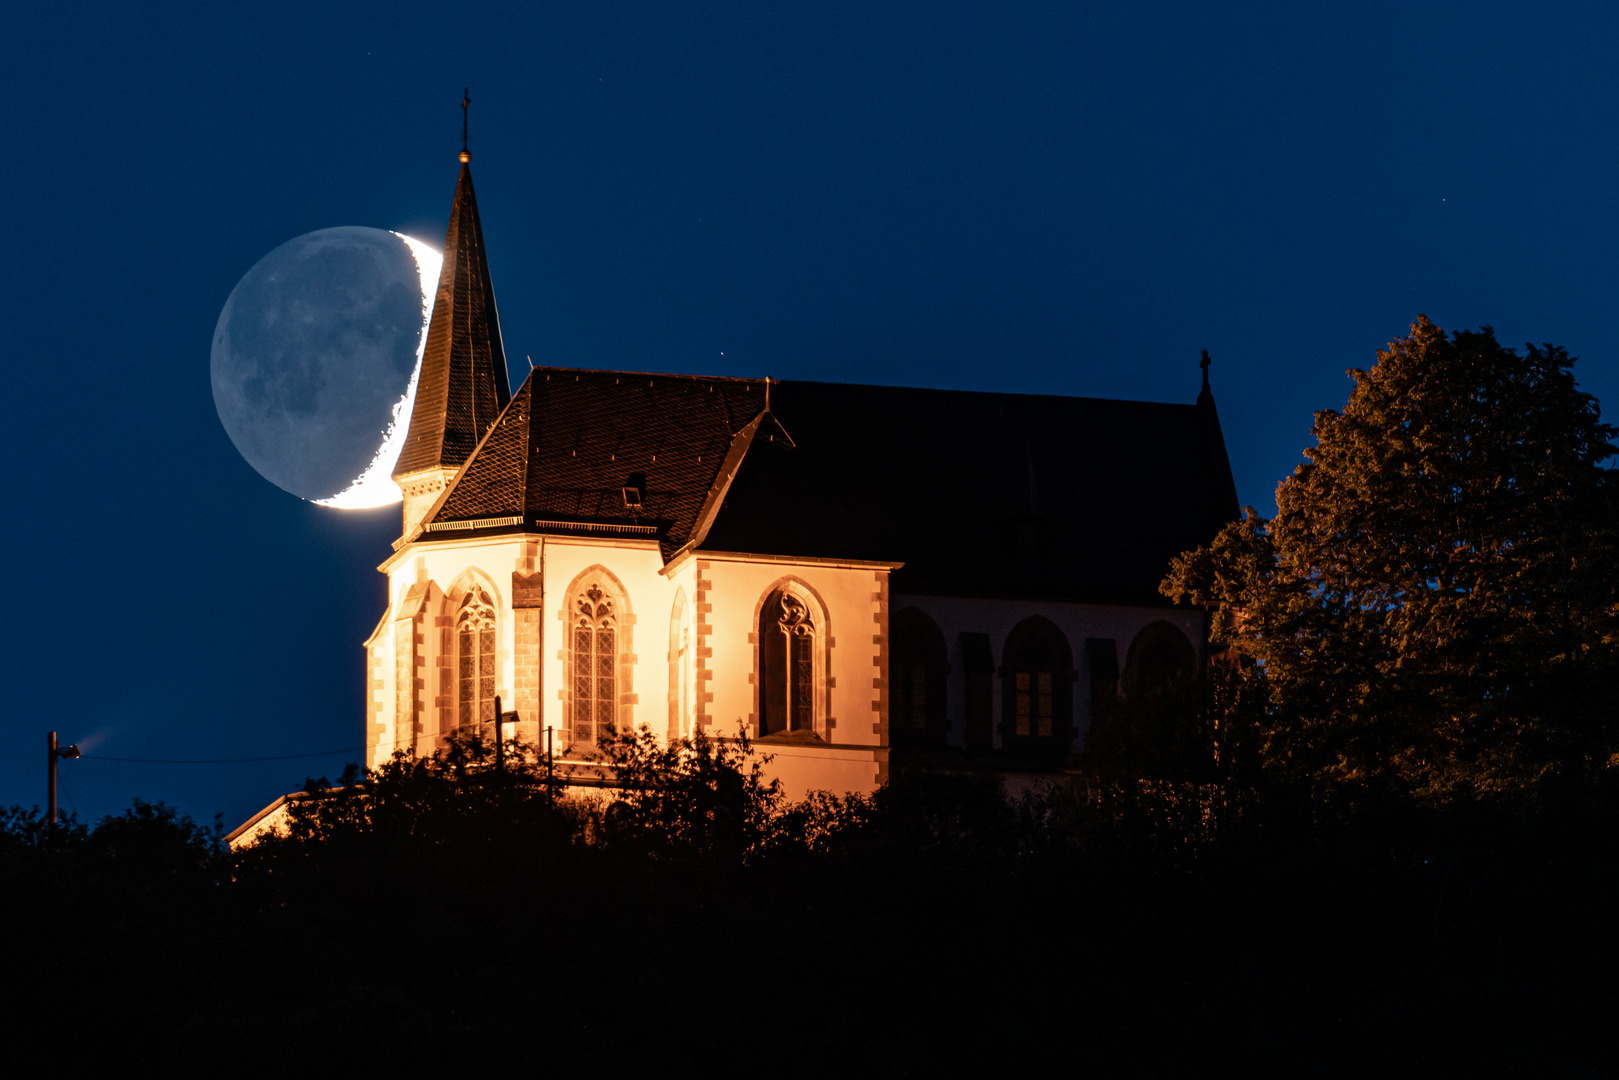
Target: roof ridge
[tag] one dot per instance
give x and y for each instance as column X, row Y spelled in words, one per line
column 986, row 393
column 654, row 374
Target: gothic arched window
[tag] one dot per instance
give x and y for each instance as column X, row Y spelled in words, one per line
column 1159, row 657
column 475, row 651
column 787, row 647
column 1038, row 684
column 595, row 646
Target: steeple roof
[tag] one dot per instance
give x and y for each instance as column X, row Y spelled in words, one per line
column 463, row 385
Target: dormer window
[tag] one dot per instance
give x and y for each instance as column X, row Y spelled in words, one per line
column 635, row 491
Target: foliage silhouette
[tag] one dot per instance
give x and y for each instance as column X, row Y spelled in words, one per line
column 686, row 798
column 437, row 913
column 1432, row 614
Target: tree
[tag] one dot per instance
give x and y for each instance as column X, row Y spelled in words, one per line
column 1432, row 611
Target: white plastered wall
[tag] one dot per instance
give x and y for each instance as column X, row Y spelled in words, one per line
column 723, row 596
column 439, row 565
column 852, row 700
column 649, row 597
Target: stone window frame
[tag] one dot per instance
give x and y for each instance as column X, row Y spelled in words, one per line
column 821, row 721
column 624, row 712
column 450, row 645
column 682, row 668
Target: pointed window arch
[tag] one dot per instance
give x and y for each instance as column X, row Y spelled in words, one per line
column 792, row 642
column 599, row 665
column 1038, row 679
column 1159, row 657
column 475, row 658
column 595, row 665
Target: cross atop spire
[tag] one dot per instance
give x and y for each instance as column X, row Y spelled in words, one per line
column 1206, row 396
column 466, row 99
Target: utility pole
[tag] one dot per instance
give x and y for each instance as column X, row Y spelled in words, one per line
column 51, row 754
column 500, row 749
column 550, row 791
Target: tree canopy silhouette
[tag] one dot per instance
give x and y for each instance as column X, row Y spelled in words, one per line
column 1432, row 611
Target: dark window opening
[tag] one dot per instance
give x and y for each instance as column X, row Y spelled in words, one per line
column 917, row 669
column 979, row 663
column 787, row 666
column 1102, row 658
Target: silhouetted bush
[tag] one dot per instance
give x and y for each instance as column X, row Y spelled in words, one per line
column 435, row 913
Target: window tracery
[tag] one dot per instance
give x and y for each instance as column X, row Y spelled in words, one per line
column 787, row 647
column 475, row 677
column 595, row 664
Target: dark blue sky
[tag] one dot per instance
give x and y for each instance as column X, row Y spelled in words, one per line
column 1046, row 198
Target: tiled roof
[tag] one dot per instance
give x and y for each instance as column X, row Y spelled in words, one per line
column 977, row 494
column 564, row 448
column 984, row 494
column 463, row 384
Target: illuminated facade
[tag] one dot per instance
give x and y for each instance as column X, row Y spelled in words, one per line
column 853, row 575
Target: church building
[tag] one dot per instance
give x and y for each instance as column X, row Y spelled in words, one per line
column 855, row 576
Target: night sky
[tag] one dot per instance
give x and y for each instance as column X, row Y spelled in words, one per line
column 1038, row 198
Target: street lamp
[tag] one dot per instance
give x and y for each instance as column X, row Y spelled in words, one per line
column 52, row 752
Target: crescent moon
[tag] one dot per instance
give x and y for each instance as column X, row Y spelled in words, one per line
column 375, row 486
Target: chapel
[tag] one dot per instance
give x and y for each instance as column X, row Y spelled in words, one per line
column 855, row 576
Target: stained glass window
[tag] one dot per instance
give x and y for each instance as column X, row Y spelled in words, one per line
column 595, row 665
column 475, row 649
column 787, row 658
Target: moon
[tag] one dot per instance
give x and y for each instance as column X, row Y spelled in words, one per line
column 315, row 360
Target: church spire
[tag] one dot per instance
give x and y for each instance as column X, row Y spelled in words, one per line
column 463, row 384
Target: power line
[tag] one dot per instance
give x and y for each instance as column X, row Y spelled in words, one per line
column 239, row 760
column 221, row 761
